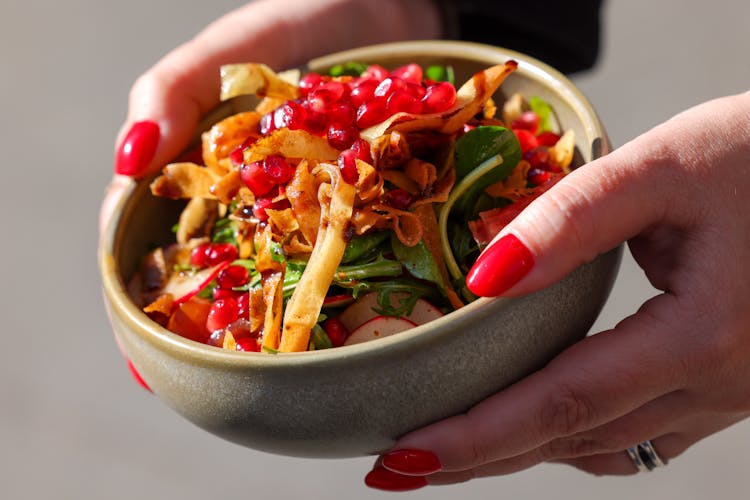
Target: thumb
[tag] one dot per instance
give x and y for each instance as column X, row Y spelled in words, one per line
column 589, row 212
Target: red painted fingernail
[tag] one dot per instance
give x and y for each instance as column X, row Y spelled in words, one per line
column 137, row 376
column 412, row 462
column 137, row 149
column 500, row 266
column 382, row 479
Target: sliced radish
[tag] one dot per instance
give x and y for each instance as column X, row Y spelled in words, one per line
column 363, row 310
column 186, row 287
column 377, row 328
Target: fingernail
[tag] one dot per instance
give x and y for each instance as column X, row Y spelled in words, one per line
column 412, row 462
column 137, row 376
column 382, row 479
column 500, row 266
column 137, row 149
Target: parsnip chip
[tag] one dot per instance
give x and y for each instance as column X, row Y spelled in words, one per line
column 255, row 79
column 184, row 180
column 561, row 154
column 303, row 307
column 197, row 219
column 225, row 136
column 292, row 144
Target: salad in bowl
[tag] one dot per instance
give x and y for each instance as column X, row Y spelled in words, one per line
column 344, row 206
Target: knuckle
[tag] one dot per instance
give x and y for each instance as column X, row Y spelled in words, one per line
column 569, row 411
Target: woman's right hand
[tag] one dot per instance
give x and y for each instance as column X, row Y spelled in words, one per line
column 168, row 100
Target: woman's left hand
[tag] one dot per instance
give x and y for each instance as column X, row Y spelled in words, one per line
column 674, row 372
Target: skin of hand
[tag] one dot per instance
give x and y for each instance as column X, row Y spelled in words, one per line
column 674, row 372
column 168, row 100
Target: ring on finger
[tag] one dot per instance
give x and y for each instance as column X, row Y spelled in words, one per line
column 644, row 457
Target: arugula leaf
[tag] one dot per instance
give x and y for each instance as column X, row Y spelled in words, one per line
column 418, row 261
column 319, row 338
column 225, row 231
column 361, row 246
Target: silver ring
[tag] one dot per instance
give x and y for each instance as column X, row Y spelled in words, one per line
column 644, row 457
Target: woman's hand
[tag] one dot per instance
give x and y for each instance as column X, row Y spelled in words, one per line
column 674, row 372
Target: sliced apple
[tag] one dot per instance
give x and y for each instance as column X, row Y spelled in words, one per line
column 377, row 328
column 363, row 310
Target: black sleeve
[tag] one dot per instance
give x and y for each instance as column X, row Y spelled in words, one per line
column 564, row 34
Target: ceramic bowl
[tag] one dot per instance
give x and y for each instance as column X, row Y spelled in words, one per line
column 356, row 400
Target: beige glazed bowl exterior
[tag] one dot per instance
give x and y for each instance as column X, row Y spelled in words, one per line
column 356, row 400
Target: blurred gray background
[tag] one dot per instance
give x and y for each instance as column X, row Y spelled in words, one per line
column 73, row 425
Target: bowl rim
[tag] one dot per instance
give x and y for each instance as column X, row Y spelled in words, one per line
column 117, row 300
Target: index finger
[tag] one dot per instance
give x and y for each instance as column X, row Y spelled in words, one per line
column 594, row 382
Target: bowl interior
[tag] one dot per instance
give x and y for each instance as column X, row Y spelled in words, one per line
column 236, row 395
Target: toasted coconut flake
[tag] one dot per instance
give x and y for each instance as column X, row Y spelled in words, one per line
column 184, row 180
column 254, row 79
column 197, row 219
column 282, row 221
column 369, row 182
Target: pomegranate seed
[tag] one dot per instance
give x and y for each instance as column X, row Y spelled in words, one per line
column 254, row 177
column 537, row 157
column 266, row 124
column 341, row 136
column 199, row 255
column 309, row 82
column 527, row 140
column 410, row 72
column 315, row 123
column 527, row 121
column 362, row 149
column 260, row 206
column 326, row 94
column 237, row 156
column 291, row 114
column 389, row 86
column 375, row 71
column 363, row 91
column 403, row 101
column 341, row 112
column 348, row 165
column 439, row 97
column 336, row 331
column 372, row 112
column 243, row 306
column 247, row 345
column 538, row 176
column 222, row 312
column 416, row 90
column 398, row 198
column 220, row 252
column 277, row 169
column 232, row 277
column 216, row 339
column 548, row 139
column 220, row 293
